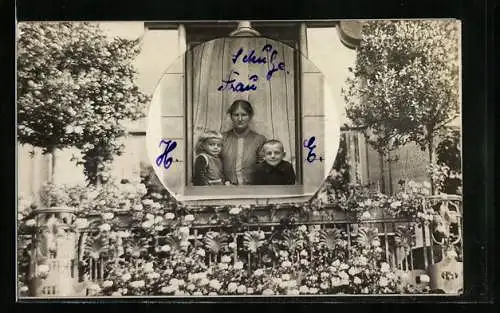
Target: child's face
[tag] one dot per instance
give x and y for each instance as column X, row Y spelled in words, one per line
column 213, row 146
column 273, row 154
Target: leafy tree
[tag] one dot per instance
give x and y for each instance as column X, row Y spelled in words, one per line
column 75, row 87
column 404, row 86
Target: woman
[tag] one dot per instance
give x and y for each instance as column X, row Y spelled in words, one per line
column 241, row 146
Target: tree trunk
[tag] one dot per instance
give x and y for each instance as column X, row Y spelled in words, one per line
column 382, row 172
column 52, row 166
column 389, row 170
column 431, row 161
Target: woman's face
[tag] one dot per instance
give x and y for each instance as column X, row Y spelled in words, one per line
column 241, row 119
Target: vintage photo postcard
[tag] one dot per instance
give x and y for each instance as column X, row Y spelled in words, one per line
column 239, row 158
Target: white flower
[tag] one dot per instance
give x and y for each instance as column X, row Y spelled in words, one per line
column 165, row 248
column 23, row 289
column 150, row 216
column 304, row 289
column 294, row 292
column 189, row 218
column 93, row 287
column 285, row 276
column 197, row 293
column 81, row 223
column 384, row 267
column 232, row 245
column 126, row 277
column 108, row 215
column 183, row 230
column 242, row 289
column 238, row 265
column 107, row 283
column 284, row 253
column 223, row 266
column 376, row 243
column 147, row 224
column 357, row 280
column 225, row 259
column 167, row 289
column 323, row 285
column 137, row 284
column 147, row 202
column 215, row 284
column 191, row 287
column 313, row 290
column 212, row 293
column 30, row 222
column 159, row 228
column 292, row 283
column 303, row 253
column 378, row 250
column 231, row 287
column 343, row 275
column 267, row 292
column 153, row 275
column 105, row 227
column 336, row 282
column 174, row 282
column 303, row 228
column 258, row 272
column 235, row 210
column 200, row 252
column 179, row 293
column 425, row 278
column 169, row 271
column 148, row 267
column 383, row 282
column 137, row 207
column 336, row 263
column 343, row 266
column 395, row 204
column 158, row 219
column 203, row 282
column 250, row 290
column 366, row 215
column 286, row 264
column 43, row 268
column 169, row 216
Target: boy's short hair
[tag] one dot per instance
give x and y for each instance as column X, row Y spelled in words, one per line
column 273, row 142
column 207, row 134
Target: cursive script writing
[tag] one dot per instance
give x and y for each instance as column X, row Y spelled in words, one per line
column 311, row 156
column 251, row 57
column 238, row 86
column 164, row 159
column 275, row 68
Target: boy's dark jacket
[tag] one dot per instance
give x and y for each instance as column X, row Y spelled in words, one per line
column 281, row 174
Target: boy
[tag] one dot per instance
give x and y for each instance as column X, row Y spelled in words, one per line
column 274, row 170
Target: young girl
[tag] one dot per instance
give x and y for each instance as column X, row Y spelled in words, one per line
column 208, row 164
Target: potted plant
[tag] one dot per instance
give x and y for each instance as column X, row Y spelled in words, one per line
column 447, row 275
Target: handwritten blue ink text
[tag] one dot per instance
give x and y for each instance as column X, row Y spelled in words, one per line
column 310, row 145
column 250, row 57
column 238, row 86
column 164, row 159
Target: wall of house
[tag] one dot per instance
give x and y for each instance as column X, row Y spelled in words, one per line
column 324, row 49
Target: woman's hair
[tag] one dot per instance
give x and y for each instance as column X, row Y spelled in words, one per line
column 244, row 104
column 202, row 139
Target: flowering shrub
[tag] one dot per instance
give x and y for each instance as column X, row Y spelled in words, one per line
column 306, row 263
